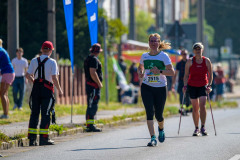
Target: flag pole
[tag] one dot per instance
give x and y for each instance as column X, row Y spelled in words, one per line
column 72, row 94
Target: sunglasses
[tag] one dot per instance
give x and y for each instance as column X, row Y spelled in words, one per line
column 197, row 48
column 154, row 41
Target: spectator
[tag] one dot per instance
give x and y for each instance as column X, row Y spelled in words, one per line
column 213, row 93
column 8, row 75
column 123, row 67
column 93, row 75
column 134, row 78
column 180, row 70
column 219, row 81
column 170, row 90
column 20, row 65
column 43, row 73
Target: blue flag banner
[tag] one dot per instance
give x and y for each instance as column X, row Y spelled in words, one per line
column 68, row 10
column 173, row 51
column 92, row 13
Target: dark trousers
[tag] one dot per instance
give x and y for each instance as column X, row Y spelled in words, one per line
column 154, row 99
column 41, row 99
column 18, row 87
column 180, row 92
column 93, row 96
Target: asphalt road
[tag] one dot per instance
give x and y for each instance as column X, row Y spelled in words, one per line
column 129, row 142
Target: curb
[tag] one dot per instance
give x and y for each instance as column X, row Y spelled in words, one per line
column 24, row 142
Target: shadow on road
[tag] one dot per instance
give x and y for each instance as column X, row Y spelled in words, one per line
column 180, row 137
column 136, row 138
column 96, row 149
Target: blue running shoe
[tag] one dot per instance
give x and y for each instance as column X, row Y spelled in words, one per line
column 153, row 142
column 161, row 136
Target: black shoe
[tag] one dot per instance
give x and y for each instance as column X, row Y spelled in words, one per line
column 93, row 129
column 32, row 142
column 46, row 142
column 204, row 132
column 184, row 112
column 196, row 132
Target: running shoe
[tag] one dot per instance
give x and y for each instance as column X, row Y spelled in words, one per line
column 184, row 112
column 4, row 116
column 15, row 106
column 196, row 132
column 161, row 136
column 153, row 142
column 204, row 132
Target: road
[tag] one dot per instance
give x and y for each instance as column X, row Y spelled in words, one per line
column 129, row 142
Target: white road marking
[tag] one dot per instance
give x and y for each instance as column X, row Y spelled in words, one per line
column 236, row 157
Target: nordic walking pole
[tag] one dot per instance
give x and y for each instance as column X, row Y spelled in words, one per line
column 181, row 112
column 212, row 114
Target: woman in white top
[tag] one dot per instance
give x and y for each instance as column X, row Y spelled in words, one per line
column 153, row 69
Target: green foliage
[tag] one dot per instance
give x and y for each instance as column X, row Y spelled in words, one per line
column 111, row 81
column 122, row 117
column 3, row 137
column 66, row 62
column 58, row 128
column 143, row 22
column 223, row 16
column 232, row 104
column 208, row 30
column 115, row 30
column 18, row 136
column 171, row 110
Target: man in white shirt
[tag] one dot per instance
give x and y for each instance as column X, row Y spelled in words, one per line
column 20, row 66
column 43, row 73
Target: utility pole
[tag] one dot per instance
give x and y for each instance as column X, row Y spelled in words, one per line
column 162, row 17
column 132, row 33
column 52, row 25
column 173, row 10
column 119, row 16
column 158, row 22
column 105, row 59
column 13, row 27
column 201, row 16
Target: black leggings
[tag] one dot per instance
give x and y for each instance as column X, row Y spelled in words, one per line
column 154, row 99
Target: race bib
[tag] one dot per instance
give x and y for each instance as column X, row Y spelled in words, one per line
column 153, row 78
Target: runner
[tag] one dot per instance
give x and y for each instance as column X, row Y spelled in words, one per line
column 153, row 68
column 180, row 69
column 197, row 81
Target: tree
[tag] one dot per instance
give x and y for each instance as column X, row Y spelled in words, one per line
column 115, row 29
column 223, row 16
column 143, row 22
column 208, row 30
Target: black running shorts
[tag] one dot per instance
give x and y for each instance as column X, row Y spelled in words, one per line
column 196, row 92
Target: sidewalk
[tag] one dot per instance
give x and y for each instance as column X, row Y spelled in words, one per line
column 22, row 127
column 235, row 94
